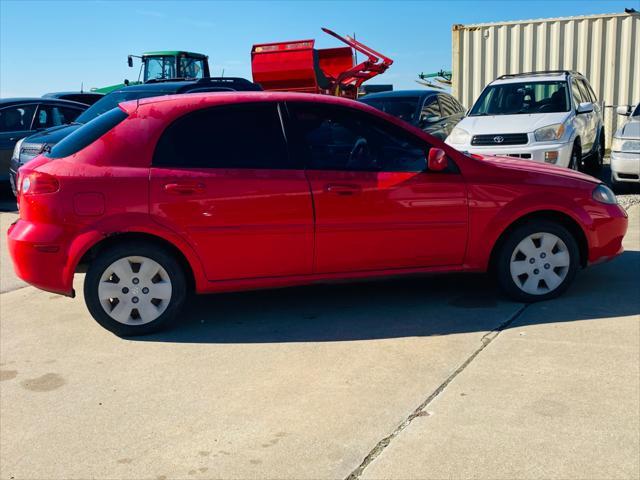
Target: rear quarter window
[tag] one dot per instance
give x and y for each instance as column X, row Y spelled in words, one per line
column 87, row 134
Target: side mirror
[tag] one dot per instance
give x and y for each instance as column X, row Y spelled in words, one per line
column 130, row 61
column 437, row 160
column 126, row 82
column 585, row 107
column 623, row 110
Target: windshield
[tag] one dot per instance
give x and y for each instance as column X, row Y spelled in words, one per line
column 405, row 108
column 522, row 98
column 112, row 100
column 636, row 112
column 159, row 68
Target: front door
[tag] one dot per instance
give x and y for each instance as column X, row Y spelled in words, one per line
column 376, row 207
column 223, row 179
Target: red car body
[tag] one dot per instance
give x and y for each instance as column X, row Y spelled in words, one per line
column 254, row 228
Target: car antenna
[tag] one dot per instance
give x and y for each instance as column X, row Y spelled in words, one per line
column 222, row 73
column 81, row 87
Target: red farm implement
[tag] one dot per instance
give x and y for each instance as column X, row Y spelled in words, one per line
column 298, row 66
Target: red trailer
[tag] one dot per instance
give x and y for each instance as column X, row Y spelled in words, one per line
column 298, row 66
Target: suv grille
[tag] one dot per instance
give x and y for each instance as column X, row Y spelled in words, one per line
column 500, row 139
column 31, row 148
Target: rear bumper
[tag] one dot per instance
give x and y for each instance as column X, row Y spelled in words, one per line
column 607, row 233
column 39, row 255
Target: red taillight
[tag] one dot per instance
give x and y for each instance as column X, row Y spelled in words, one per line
column 35, row 183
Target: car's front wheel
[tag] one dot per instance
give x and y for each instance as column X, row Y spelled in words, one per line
column 537, row 261
column 134, row 288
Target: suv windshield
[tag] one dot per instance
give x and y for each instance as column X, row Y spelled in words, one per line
column 405, row 108
column 522, row 98
column 636, row 112
column 112, row 100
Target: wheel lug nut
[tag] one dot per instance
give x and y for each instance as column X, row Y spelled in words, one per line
column 532, row 260
column 547, row 266
column 145, row 290
column 125, row 290
column 134, row 299
column 136, row 281
column 543, row 255
column 535, row 272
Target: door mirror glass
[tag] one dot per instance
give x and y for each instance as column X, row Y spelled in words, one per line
column 585, row 107
column 437, row 160
column 623, row 110
column 130, row 61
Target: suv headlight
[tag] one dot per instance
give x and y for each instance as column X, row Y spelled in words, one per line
column 623, row 145
column 549, row 133
column 459, row 136
column 604, row 194
column 15, row 156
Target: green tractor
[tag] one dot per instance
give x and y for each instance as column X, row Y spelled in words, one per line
column 164, row 65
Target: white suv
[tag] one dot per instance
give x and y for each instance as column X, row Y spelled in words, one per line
column 552, row 117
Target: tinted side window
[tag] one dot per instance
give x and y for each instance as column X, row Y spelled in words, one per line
column 87, row 134
column 586, row 91
column 430, row 109
column 52, row 116
column 448, row 105
column 333, row 138
column 577, row 93
column 235, row 136
column 16, row 119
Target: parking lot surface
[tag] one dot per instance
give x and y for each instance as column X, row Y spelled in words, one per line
column 437, row 377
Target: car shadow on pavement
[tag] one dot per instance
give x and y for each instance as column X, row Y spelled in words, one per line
column 409, row 307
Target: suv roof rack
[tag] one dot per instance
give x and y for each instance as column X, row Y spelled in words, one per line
column 539, row 72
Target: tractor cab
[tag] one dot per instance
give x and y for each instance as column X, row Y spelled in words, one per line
column 157, row 66
column 298, row 66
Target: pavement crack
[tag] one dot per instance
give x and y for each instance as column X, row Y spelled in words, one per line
column 420, row 410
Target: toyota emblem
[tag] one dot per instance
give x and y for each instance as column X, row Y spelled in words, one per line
column 498, row 139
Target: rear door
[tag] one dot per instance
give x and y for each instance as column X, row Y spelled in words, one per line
column 376, row 207
column 223, row 178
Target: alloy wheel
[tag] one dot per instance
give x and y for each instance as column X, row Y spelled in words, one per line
column 134, row 290
column 540, row 263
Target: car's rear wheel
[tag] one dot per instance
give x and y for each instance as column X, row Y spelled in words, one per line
column 537, row 261
column 134, row 288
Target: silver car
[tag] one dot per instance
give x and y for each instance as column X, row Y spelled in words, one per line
column 625, row 149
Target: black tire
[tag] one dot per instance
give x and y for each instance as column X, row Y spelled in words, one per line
column 502, row 266
column 596, row 158
column 576, row 157
column 151, row 251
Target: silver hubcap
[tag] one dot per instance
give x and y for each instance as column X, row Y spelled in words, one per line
column 134, row 290
column 540, row 263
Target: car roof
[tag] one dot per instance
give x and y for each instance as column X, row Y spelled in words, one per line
column 536, row 77
column 7, row 102
column 57, row 94
column 181, row 85
column 403, row 93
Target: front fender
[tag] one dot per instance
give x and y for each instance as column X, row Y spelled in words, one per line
column 484, row 235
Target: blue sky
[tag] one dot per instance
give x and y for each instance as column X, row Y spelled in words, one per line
column 55, row 45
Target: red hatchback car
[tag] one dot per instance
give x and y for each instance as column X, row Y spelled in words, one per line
column 219, row 192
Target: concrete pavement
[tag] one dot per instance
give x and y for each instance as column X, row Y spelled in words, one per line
column 419, row 378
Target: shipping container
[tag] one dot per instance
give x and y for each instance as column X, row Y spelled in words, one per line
column 604, row 48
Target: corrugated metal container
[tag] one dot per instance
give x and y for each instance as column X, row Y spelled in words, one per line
column 605, row 48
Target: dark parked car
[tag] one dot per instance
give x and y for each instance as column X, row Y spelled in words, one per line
column 21, row 117
column 36, row 144
column 88, row 98
column 433, row 111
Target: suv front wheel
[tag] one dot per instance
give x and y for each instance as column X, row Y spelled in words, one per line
column 134, row 288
